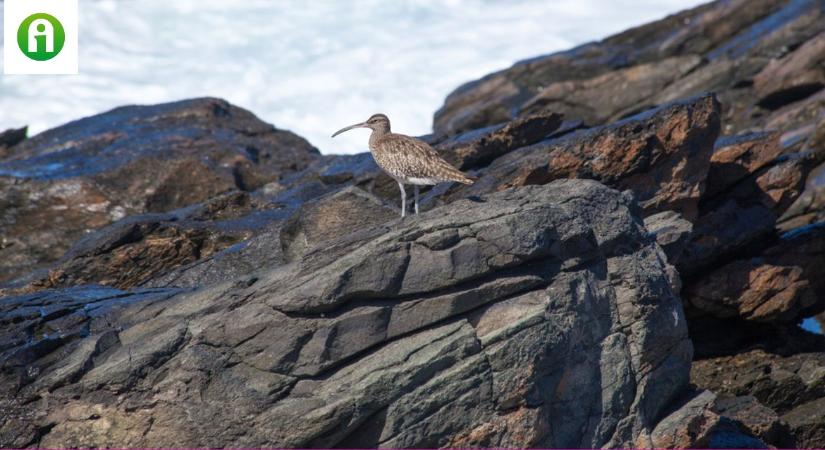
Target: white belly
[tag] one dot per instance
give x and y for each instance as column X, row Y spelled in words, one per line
column 412, row 180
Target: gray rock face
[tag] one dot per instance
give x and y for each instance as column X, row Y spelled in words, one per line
column 808, row 423
column 672, row 232
column 476, row 324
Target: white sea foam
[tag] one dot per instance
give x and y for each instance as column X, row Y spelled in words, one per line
column 308, row 66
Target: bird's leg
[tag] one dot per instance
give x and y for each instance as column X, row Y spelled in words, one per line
column 403, row 199
column 416, row 199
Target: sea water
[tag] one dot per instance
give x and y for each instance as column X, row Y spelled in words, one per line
column 310, row 67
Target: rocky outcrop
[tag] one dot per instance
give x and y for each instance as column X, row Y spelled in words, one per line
column 661, row 155
column 184, row 274
column 65, row 182
column 389, row 337
column 759, row 59
column 721, row 47
column 738, row 157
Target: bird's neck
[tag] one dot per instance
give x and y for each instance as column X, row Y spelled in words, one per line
column 377, row 135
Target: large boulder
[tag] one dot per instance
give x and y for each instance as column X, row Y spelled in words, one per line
column 72, row 179
column 476, row 324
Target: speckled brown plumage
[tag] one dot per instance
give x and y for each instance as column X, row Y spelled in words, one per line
column 406, row 159
column 409, row 159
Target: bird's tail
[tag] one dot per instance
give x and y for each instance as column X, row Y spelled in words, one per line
column 467, row 179
column 450, row 173
column 461, row 177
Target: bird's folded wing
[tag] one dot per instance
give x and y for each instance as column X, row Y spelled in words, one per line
column 418, row 160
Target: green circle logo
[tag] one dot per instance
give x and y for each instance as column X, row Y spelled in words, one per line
column 41, row 37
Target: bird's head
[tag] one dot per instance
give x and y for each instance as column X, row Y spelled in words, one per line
column 376, row 122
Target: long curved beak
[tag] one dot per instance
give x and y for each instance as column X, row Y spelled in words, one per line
column 357, row 125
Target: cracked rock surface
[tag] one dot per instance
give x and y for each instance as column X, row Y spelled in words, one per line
column 478, row 328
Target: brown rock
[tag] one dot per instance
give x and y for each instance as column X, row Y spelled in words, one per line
column 735, row 157
column 799, row 118
column 185, row 247
column 480, row 147
column 743, row 217
column 168, row 190
column 159, row 248
column 717, row 75
column 41, row 219
column 688, row 427
column 662, row 155
column 785, row 283
column 793, row 77
column 753, row 291
column 781, row 184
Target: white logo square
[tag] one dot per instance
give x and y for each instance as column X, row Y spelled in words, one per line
column 40, row 37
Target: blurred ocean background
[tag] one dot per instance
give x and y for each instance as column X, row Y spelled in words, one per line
column 310, row 67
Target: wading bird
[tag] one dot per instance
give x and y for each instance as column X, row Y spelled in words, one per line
column 406, row 159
